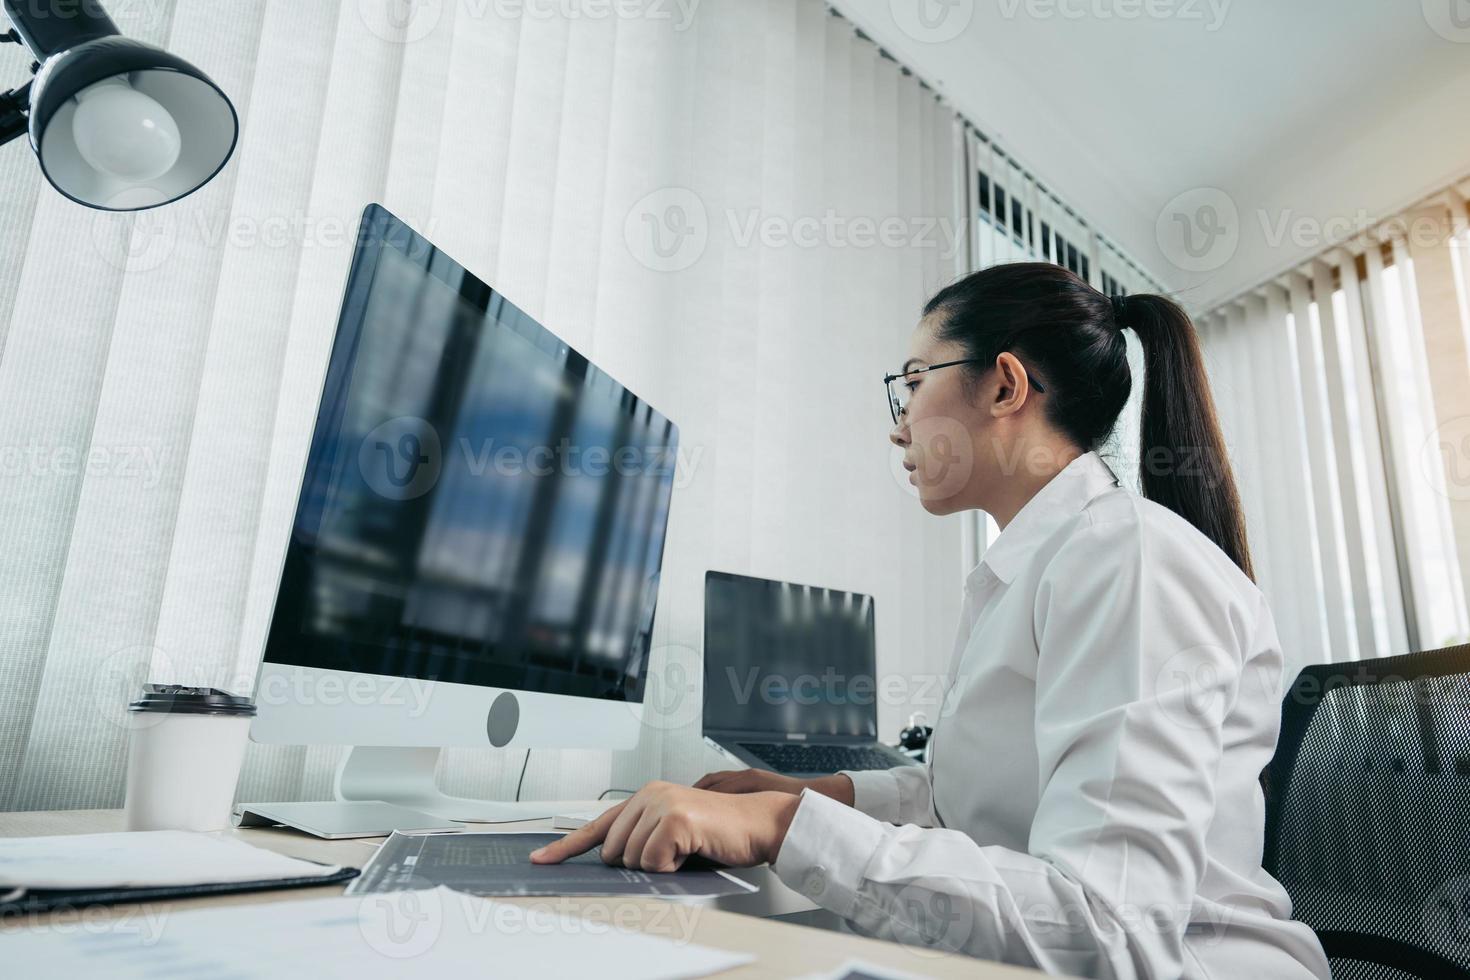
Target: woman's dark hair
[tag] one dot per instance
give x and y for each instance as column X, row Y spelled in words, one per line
column 1071, row 336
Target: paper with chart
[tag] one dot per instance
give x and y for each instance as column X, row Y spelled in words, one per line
column 498, row 865
column 433, row 934
column 142, row 859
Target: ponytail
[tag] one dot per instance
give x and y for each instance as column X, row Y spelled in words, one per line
column 1073, row 334
column 1182, row 459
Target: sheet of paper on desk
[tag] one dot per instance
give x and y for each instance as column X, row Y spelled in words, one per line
column 436, row 933
column 497, row 865
column 858, row 970
column 155, row 857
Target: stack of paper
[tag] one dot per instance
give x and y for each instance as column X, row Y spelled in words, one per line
column 140, row 860
column 437, row 933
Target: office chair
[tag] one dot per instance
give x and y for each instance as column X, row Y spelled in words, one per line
column 1368, row 813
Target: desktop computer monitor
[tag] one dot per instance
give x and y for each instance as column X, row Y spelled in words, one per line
column 475, row 555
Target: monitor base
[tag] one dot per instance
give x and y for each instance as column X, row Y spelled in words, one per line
column 338, row 820
column 405, row 777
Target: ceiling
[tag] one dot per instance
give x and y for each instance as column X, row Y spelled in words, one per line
column 1305, row 117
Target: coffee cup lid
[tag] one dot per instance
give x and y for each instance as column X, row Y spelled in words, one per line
column 177, row 699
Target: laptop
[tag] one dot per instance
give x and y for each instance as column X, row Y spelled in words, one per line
column 790, row 677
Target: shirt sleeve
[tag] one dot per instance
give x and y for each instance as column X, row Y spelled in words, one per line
column 1138, row 662
column 903, row 794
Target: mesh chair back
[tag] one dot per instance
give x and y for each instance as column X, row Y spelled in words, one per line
column 1368, row 813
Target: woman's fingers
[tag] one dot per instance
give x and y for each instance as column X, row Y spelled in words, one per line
column 659, row 829
column 617, row 834
column 749, row 781
column 714, row 779
column 638, row 839
column 579, row 841
column 735, row 781
column 667, row 846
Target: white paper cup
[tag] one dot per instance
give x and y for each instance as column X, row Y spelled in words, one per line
column 185, row 749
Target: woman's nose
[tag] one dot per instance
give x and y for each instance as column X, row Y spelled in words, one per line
column 899, row 434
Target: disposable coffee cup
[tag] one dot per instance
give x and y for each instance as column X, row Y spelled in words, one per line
column 185, row 749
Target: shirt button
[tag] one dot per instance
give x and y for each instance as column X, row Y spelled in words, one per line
column 816, row 881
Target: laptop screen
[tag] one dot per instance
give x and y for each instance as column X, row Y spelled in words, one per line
column 784, row 658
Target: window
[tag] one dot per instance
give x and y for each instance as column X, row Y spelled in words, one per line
column 1356, row 435
column 1010, row 230
column 1436, row 584
column 1375, row 375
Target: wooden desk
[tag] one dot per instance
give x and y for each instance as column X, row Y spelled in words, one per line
column 783, row 949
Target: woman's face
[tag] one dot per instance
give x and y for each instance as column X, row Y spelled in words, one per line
column 944, row 427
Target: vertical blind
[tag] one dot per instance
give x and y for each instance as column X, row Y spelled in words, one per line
column 1343, row 389
column 159, row 372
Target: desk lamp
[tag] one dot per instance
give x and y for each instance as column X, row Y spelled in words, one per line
column 117, row 125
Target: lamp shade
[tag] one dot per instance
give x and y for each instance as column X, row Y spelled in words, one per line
column 180, row 128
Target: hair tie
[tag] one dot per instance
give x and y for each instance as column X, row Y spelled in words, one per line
column 1120, row 309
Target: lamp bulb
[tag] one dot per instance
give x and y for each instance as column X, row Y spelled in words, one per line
column 122, row 132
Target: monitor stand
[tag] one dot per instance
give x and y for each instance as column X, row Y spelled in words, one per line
column 379, row 790
column 405, row 777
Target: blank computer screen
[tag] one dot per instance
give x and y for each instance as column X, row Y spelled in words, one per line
column 480, row 505
column 784, row 658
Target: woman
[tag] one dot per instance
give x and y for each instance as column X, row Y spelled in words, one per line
column 1091, row 804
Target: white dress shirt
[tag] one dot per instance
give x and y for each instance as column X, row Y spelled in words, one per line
column 1090, row 806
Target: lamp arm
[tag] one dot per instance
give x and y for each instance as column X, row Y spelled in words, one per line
column 13, row 104
column 13, row 119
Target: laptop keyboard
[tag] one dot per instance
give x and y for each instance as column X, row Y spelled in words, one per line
column 798, row 757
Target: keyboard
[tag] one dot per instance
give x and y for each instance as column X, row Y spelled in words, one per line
column 799, row 757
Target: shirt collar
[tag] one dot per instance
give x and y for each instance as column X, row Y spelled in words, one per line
column 1062, row 499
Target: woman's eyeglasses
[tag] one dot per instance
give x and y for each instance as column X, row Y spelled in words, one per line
column 898, row 385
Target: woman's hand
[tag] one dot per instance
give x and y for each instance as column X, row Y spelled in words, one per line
column 837, row 786
column 663, row 825
column 751, row 781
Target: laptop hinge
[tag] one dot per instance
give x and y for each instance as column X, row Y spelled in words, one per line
column 796, row 736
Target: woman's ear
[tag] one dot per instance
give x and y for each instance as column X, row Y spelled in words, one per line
column 1012, row 386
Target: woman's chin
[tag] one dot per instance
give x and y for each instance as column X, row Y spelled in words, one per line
column 939, row 506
